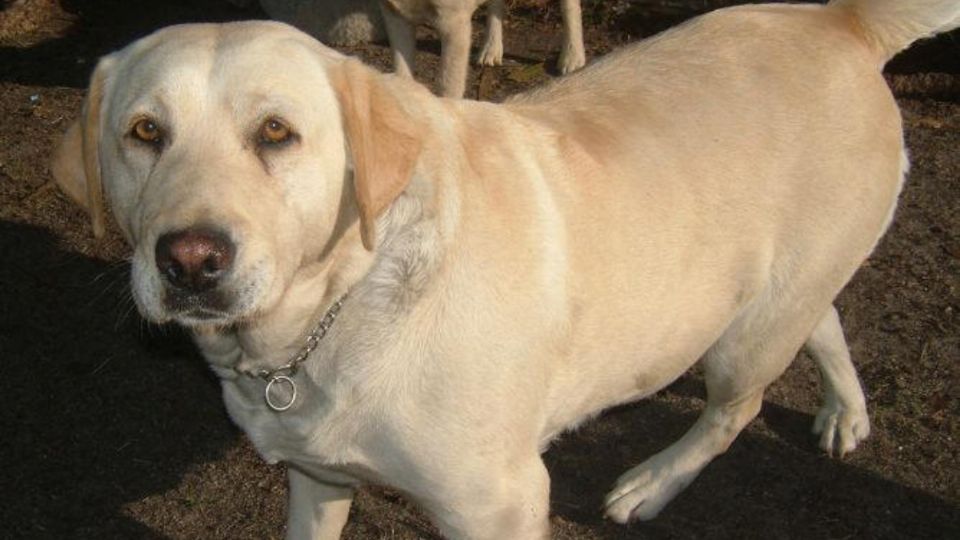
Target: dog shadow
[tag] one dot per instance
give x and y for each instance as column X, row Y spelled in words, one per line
column 773, row 482
column 97, row 411
column 98, row 28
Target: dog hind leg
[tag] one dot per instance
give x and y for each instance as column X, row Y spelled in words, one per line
column 757, row 347
column 492, row 52
column 842, row 422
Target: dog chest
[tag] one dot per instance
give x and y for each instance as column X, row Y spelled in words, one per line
column 308, row 432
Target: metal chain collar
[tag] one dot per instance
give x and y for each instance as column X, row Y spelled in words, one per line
column 283, row 375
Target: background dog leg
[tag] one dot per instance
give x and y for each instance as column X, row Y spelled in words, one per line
column 842, row 421
column 572, row 55
column 403, row 40
column 454, row 30
column 316, row 511
column 492, row 52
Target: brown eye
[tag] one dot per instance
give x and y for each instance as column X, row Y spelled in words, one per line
column 274, row 131
column 147, row 131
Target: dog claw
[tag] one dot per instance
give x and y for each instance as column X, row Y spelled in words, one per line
column 841, row 429
column 642, row 492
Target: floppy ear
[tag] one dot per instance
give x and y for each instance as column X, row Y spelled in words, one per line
column 76, row 162
column 384, row 140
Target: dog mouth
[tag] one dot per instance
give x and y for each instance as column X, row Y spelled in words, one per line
column 193, row 281
column 204, row 315
column 212, row 307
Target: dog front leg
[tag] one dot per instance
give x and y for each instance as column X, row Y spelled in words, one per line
column 316, row 511
column 492, row 52
column 454, row 30
column 572, row 55
column 506, row 501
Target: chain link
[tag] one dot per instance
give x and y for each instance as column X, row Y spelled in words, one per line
column 311, row 343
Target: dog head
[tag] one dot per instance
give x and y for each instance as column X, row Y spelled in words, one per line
column 233, row 156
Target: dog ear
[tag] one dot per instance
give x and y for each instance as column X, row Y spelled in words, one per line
column 384, row 139
column 76, row 162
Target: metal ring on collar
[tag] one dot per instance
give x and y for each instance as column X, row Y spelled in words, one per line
column 280, row 407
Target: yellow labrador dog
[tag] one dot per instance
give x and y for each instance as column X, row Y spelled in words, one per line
column 420, row 292
column 451, row 19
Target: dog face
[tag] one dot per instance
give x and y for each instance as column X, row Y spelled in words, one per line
column 223, row 153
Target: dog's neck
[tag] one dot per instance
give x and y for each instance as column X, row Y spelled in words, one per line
column 387, row 281
column 275, row 337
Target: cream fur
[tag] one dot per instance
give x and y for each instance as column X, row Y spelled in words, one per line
column 451, row 20
column 703, row 194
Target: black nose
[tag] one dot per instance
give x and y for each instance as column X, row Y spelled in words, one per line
column 194, row 259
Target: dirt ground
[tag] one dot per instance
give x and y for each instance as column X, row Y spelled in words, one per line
column 112, row 428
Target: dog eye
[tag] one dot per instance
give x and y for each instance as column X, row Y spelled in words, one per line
column 275, row 131
column 147, row 130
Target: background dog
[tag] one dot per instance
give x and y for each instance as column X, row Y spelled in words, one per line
column 451, row 19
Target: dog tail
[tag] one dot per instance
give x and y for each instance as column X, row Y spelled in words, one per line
column 889, row 26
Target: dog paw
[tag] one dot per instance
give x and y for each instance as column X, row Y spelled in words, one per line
column 841, row 428
column 643, row 491
column 571, row 59
column 491, row 54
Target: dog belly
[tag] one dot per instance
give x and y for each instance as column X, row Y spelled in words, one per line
column 627, row 346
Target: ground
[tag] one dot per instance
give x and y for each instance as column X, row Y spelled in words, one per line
column 113, row 428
